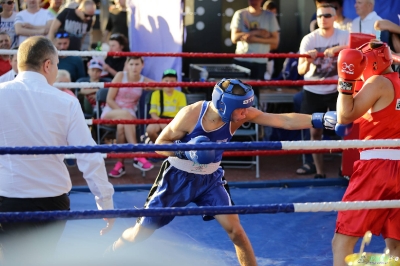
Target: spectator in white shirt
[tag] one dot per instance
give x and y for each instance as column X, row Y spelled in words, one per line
column 7, row 18
column 367, row 17
column 10, row 75
column 34, row 113
column 32, row 21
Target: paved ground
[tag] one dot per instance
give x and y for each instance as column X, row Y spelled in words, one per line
column 271, row 168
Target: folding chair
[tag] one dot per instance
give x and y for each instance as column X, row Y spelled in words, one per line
column 102, row 130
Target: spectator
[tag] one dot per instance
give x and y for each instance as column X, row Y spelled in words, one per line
column 117, row 21
column 32, row 21
column 271, row 7
column 114, row 64
column 73, row 64
column 55, row 7
column 95, row 67
column 122, row 104
column 341, row 22
column 64, row 76
column 5, row 43
column 320, row 98
column 367, row 17
column 254, row 30
column 7, row 18
column 10, row 75
column 165, row 103
column 77, row 22
column 394, row 33
column 41, row 183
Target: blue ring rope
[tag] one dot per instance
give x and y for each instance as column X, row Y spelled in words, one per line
column 8, row 217
column 261, row 145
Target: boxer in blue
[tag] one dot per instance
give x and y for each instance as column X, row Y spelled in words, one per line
column 196, row 176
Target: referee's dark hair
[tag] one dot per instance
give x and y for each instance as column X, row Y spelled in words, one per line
column 34, row 51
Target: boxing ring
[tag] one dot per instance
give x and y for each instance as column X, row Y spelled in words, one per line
column 278, row 236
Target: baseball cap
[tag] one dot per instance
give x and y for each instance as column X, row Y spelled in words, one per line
column 94, row 63
column 170, row 73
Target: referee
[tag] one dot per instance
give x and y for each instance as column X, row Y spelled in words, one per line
column 34, row 113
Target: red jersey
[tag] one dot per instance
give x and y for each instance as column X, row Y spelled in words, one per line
column 384, row 123
column 5, row 66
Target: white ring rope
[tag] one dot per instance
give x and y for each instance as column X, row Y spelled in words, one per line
column 343, row 144
column 345, row 206
column 79, row 85
column 63, row 53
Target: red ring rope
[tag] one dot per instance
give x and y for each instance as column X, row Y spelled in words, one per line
column 298, row 83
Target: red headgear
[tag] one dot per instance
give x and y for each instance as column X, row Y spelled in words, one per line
column 379, row 58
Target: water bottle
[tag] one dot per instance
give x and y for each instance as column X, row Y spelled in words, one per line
column 203, row 75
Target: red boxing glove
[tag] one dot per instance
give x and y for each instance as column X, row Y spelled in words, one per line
column 351, row 64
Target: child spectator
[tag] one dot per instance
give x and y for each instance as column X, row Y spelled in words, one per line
column 165, row 103
column 122, row 103
column 64, row 76
column 95, row 67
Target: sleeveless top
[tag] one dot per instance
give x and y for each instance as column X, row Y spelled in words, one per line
column 221, row 134
column 128, row 98
column 383, row 123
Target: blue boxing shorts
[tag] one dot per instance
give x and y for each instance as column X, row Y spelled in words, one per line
column 176, row 188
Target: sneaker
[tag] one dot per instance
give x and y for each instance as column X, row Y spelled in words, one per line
column 142, row 164
column 118, row 171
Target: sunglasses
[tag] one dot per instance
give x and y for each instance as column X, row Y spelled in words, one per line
column 61, row 35
column 87, row 16
column 169, row 72
column 8, row 3
column 325, row 16
column 115, row 36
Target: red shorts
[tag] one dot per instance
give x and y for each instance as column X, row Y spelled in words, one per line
column 375, row 179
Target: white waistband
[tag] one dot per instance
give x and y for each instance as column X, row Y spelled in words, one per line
column 191, row 167
column 385, row 154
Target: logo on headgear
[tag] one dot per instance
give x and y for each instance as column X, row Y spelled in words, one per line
column 349, row 69
column 248, row 100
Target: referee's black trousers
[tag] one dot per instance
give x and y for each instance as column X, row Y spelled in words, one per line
column 31, row 243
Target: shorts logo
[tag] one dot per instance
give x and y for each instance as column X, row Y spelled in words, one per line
column 248, row 100
column 347, row 68
column 398, row 105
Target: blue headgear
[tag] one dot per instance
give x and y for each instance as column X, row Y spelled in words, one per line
column 226, row 102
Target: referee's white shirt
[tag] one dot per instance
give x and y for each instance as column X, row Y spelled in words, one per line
column 33, row 113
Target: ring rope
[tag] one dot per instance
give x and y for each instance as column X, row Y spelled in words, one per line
column 257, row 145
column 225, row 154
column 162, row 54
column 8, row 217
column 297, row 83
column 127, row 121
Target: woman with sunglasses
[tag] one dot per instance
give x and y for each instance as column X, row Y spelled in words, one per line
column 113, row 64
column 122, row 104
column 77, row 22
column 7, row 17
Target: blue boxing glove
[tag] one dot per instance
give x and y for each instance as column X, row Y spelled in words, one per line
column 343, row 130
column 201, row 156
column 326, row 120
